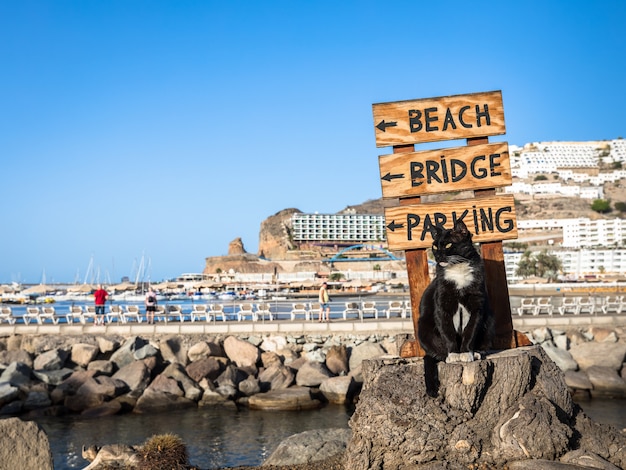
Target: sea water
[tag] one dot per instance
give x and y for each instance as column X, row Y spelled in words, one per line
column 219, row 437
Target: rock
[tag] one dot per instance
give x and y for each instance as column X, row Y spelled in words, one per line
column 145, row 352
column 338, row 390
column 37, row 399
column 126, row 353
column 24, row 445
column 107, row 345
column 312, row 374
column 337, row 360
column 101, row 367
column 364, row 351
column 603, row 334
column 83, row 354
column 562, row 358
column 273, row 343
column 236, row 247
column 8, row 393
column 7, row 357
column 241, row 352
column 173, row 350
column 542, row 464
column 309, row 446
column 70, row 385
column 599, row 354
column 587, row 460
column 204, row 349
column 50, row 360
column 163, row 394
column 190, row 388
column 250, row 386
column 287, row 355
column 605, row 381
column 291, row 399
column 17, row 373
column 136, row 375
column 577, row 380
column 231, row 377
column 269, row 358
column 511, row 406
column 53, row 377
column 108, row 408
column 205, row 367
column 276, row 377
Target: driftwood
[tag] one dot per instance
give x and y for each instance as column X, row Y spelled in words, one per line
column 512, row 406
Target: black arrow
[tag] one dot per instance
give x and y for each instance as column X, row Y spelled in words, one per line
column 382, row 125
column 393, row 226
column 389, row 176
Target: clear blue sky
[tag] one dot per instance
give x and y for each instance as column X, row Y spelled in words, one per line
column 166, row 129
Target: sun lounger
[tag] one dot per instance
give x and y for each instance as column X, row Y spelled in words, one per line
column 612, row 304
column 352, row 308
column 75, row 315
column 48, row 314
column 216, row 310
column 132, row 313
column 528, row 306
column 369, row 308
column 199, row 312
column 246, row 310
column 90, row 313
column 175, row 312
column 299, row 309
column 263, row 310
column 32, row 314
column 586, row 305
column 115, row 313
column 6, row 315
column 396, row 307
column 569, row 305
column 544, row 305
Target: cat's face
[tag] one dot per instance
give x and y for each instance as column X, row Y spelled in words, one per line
column 451, row 246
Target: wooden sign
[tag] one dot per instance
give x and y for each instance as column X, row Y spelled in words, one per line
column 435, row 119
column 445, row 170
column 487, row 218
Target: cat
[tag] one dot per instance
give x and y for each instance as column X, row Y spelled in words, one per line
column 456, row 320
column 111, row 456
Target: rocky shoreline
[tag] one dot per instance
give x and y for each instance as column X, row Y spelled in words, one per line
column 97, row 375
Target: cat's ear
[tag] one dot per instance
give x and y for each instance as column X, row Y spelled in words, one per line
column 460, row 227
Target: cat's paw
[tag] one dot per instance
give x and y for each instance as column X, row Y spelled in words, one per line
column 453, row 357
column 469, row 356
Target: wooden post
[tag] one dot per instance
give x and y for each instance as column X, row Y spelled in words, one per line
column 495, row 278
column 417, row 272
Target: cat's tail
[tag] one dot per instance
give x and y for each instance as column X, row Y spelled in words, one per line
column 431, row 376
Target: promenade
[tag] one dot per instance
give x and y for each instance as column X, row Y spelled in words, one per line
column 287, row 327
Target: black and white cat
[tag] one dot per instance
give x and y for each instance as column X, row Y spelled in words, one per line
column 455, row 319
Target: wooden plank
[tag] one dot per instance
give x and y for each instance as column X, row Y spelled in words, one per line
column 445, row 170
column 487, row 218
column 436, row 119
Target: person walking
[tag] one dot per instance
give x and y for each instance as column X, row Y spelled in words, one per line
column 324, row 300
column 100, row 297
column 151, row 303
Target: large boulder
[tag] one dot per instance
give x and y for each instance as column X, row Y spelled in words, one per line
column 291, row 399
column 24, row 445
column 241, row 352
column 599, row 354
column 512, row 406
column 309, row 446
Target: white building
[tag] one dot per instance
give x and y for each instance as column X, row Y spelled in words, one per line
column 356, row 228
column 577, row 264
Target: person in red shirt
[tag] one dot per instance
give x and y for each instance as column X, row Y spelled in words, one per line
column 100, row 296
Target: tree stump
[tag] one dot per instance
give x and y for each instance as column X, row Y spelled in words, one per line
column 512, row 406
